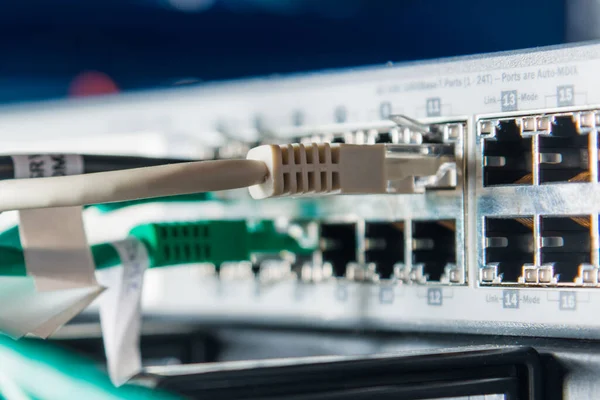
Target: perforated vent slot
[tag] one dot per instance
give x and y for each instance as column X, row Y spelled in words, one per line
column 307, row 168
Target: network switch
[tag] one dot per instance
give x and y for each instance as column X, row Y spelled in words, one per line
column 495, row 232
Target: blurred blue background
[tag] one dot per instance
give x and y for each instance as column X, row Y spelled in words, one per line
column 53, row 49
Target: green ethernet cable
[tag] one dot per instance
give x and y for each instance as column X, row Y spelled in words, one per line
column 214, row 241
column 168, row 244
column 182, row 198
column 42, row 370
column 10, row 237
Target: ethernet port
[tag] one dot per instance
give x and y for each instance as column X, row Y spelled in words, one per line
column 434, row 247
column 338, row 246
column 564, row 155
column 507, row 156
column 384, row 246
column 509, row 244
column 383, row 137
column 566, row 243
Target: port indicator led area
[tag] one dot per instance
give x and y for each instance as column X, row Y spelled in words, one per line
column 507, row 156
column 509, row 246
column 338, row 246
column 434, row 250
column 566, row 246
column 540, row 149
column 384, row 247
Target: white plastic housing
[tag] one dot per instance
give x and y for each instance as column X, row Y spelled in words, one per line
column 319, row 169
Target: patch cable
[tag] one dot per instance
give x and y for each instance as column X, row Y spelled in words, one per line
column 269, row 171
column 170, row 244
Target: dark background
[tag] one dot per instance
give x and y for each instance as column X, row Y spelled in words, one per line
column 49, row 48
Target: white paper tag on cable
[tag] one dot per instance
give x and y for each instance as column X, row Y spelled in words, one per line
column 26, row 310
column 120, row 310
column 46, row 165
column 70, row 304
column 56, row 250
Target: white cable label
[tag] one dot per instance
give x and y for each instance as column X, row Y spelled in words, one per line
column 120, row 310
column 58, row 258
column 56, row 250
column 46, row 165
column 26, row 310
